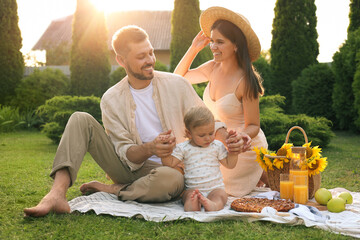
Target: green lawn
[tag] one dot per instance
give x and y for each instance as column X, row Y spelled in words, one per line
column 25, row 163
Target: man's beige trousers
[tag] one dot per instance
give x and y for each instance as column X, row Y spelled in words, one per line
column 150, row 183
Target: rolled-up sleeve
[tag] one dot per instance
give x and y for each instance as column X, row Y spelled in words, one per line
column 118, row 127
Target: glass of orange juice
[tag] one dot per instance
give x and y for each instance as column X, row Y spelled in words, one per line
column 286, row 187
column 301, row 192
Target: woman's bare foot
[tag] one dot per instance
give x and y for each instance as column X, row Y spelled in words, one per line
column 52, row 202
column 208, row 204
column 260, row 184
column 95, row 186
column 263, row 182
column 192, row 202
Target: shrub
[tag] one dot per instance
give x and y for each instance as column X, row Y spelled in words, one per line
column 312, row 92
column 161, row 67
column 199, row 88
column 56, row 112
column 276, row 124
column 10, row 119
column 117, row 75
column 39, row 86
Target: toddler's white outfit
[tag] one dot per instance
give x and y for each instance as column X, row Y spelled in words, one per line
column 201, row 165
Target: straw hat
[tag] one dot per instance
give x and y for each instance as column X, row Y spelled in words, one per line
column 212, row 14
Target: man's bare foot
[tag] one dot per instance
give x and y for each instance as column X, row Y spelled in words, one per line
column 192, row 203
column 208, row 204
column 52, row 202
column 95, row 186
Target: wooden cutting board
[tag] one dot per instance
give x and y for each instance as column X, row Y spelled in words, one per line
column 318, row 206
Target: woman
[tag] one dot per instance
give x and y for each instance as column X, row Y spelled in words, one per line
column 234, row 87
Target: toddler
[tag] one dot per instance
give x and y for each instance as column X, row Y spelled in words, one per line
column 201, row 155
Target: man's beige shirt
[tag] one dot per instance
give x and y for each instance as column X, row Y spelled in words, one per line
column 173, row 95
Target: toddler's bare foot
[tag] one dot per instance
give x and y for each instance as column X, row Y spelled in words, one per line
column 95, row 186
column 52, row 202
column 192, row 204
column 208, row 204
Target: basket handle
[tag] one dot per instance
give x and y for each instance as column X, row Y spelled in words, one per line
column 278, row 157
column 296, row 127
column 287, row 139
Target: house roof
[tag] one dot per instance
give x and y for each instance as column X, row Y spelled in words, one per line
column 156, row 23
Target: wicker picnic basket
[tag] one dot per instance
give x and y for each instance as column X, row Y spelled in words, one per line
column 274, row 176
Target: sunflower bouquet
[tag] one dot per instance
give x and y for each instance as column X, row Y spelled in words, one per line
column 269, row 160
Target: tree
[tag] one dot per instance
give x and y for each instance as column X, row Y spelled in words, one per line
column 354, row 15
column 184, row 27
column 312, row 91
column 294, row 45
column 356, row 91
column 344, row 66
column 11, row 59
column 89, row 60
column 262, row 65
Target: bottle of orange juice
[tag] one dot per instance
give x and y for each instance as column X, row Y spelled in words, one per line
column 298, row 164
column 298, row 167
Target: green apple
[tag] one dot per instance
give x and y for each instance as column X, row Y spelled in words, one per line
column 336, row 205
column 347, row 197
column 322, row 196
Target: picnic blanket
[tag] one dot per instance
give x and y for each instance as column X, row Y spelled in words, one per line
column 346, row 222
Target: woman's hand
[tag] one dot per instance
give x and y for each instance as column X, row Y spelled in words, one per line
column 200, row 41
column 238, row 142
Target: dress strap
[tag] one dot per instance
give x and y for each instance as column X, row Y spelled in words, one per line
column 239, row 83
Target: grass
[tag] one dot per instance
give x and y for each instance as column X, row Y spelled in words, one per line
column 25, row 163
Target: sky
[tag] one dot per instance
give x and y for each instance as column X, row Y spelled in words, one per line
column 332, row 18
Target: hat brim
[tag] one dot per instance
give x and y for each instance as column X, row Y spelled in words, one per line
column 212, row 14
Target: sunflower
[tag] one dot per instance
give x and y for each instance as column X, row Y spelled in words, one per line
column 285, row 150
column 316, row 165
column 259, row 157
column 279, row 163
column 312, row 152
column 268, row 162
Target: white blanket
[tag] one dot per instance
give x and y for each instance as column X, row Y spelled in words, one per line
column 346, row 222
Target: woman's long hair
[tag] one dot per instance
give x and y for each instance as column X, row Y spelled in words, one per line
column 253, row 86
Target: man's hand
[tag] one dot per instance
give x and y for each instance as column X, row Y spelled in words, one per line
column 164, row 144
column 238, row 142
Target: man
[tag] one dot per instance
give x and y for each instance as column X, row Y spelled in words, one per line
column 143, row 120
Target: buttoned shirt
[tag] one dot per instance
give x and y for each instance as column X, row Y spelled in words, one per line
column 173, row 95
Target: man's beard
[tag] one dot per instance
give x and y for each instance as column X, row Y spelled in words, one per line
column 139, row 75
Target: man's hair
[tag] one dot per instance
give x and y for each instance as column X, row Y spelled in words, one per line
column 198, row 116
column 125, row 35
